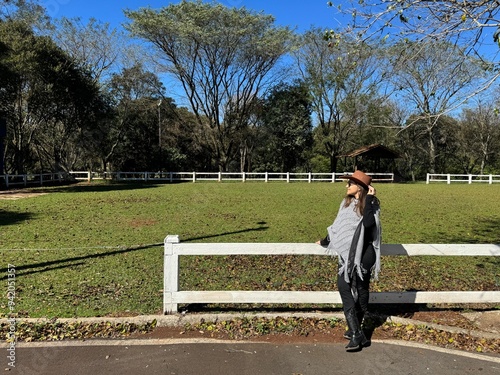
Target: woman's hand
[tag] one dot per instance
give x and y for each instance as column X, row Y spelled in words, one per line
column 371, row 190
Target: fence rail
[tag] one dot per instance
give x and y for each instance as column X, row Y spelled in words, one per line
column 464, row 178
column 174, row 248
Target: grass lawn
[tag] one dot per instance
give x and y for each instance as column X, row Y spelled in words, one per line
column 97, row 250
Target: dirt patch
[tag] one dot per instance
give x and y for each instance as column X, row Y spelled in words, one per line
column 18, row 194
column 332, row 335
column 140, row 223
column 445, row 318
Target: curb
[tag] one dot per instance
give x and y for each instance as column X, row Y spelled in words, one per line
column 182, row 319
column 472, row 333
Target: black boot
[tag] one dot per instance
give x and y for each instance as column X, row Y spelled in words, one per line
column 358, row 338
column 360, row 315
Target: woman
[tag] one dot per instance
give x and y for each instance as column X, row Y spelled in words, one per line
column 355, row 237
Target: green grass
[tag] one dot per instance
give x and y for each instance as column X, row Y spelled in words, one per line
column 95, row 250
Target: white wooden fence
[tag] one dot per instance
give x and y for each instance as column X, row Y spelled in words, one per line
column 42, row 179
column 172, row 296
column 39, row 179
column 223, row 176
column 464, row 178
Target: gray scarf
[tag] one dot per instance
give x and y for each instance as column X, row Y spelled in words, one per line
column 342, row 230
column 346, row 240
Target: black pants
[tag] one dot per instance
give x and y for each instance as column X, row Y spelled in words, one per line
column 362, row 286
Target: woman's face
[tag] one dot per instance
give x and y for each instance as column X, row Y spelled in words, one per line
column 353, row 189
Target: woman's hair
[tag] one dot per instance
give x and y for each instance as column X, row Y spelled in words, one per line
column 360, row 207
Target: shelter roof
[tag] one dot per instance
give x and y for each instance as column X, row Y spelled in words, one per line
column 375, row 150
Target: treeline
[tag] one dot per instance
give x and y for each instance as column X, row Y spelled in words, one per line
column 255, row 96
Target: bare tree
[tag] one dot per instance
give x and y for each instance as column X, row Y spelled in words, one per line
column 469, row 23
column 473, row 25
column 431, row 78
column 343, row 77
column 479, row 136
column 94, row 46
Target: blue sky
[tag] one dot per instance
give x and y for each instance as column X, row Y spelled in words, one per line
column 301, row 14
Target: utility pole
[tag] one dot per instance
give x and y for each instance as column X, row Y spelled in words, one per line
column 3, row 134
column 159, row 124
column 159, row 132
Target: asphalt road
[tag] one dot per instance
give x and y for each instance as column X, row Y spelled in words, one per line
column 181, row 357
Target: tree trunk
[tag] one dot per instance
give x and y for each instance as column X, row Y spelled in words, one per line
column 432, row 153
column 333, row 163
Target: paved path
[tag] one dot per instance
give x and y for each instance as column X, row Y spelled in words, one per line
column 206, row 357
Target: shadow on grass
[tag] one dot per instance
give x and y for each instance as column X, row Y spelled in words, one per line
column 485, row 230
column 10, row 218
column 257, row 229
column 69, row 262
column 100, row 187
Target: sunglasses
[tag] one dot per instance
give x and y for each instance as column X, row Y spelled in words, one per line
column 350, row 183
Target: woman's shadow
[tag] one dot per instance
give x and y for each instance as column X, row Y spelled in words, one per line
column 380, row 313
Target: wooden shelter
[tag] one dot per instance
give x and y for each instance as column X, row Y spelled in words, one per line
column 369, row 158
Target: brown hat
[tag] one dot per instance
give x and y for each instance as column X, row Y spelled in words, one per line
column 360, row 178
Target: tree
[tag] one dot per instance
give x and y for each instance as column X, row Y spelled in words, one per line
column 132, row 132
column 95, row 47
column 473, row 26
column 479, row 137
column 286, row 119
column 470, row 24
column 432, row 78
column 91, row 46
column 221, row 56
column 185, row 143
column 47, row 101
column 344, row 77
column 29, row 12
column 146, row 130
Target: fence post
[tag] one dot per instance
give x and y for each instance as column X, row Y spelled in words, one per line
column 309, row 177
column 491, row 179
column 170, row 274
column 470, row 179
column 267, row 177
column 243, row 176
column 448, row 179
column 287, row 176
column 194, row 176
